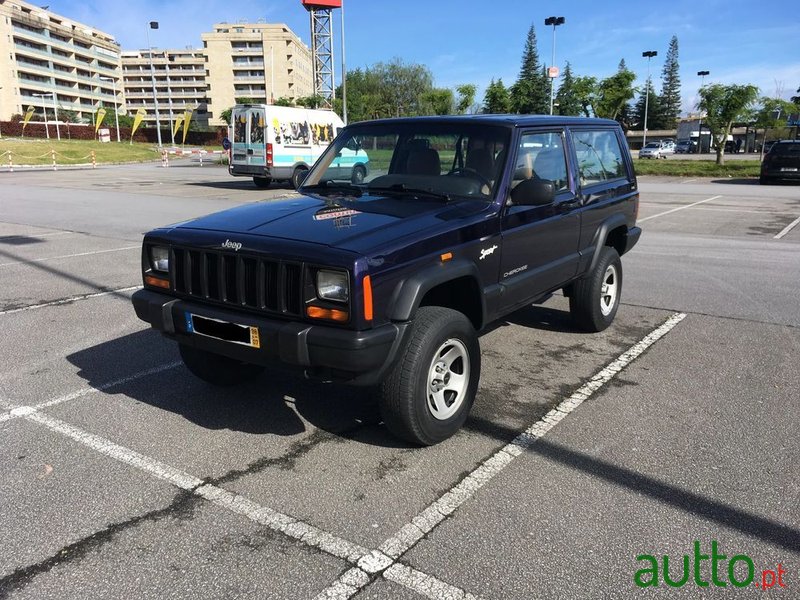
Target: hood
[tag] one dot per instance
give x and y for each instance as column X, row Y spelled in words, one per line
column 354, row 224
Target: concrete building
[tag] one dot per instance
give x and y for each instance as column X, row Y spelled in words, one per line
column 180, row 81
column 262, row 61
column 43, row 54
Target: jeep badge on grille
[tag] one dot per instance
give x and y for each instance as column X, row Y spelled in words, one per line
column 232, row 245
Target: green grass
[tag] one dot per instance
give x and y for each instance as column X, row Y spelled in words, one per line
column 697, row 168
column 72, row 152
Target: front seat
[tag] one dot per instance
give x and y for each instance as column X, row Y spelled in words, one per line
column 549, row 164
column 423, row 161
column 480, row 161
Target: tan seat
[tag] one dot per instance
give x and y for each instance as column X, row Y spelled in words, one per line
column 423, row 161
column 549, row 164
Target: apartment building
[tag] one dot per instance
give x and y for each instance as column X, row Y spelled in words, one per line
column 180, row 84
column 262, row 61
column 47, row 59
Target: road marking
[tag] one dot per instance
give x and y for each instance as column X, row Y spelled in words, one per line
column 426, row 521
column 37, row 235
column 666, row 212
column 425, row 584
column 70, row 300
column 38, row 260
column 788, row 228
column 689, row 180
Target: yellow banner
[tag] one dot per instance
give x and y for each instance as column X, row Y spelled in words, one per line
column 27, row 117
column 137, row 120
column 177, row 126
column 187, row 117
column 101, row 114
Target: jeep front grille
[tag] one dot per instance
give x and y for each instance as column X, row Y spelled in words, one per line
column 235, row 280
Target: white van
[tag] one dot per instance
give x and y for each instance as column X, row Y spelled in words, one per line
column 280, row 142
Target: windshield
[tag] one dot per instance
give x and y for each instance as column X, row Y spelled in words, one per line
column 424, row 159
column 653, row 145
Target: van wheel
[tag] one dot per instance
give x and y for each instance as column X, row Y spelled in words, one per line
column 217, row 369
column 262, row 182
column 297, row 177
column 595, row 298
column 429, row 392
column 359, row 173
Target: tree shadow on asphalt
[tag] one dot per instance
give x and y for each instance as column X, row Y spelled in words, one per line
column 773, row 532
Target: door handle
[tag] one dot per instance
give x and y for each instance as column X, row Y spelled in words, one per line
column 570, row 204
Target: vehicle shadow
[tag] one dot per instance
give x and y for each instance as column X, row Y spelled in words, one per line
column 276, row 402
column 241, row 184
column 738, row 181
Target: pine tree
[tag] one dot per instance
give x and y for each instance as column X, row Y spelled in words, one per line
column 670, row 98
column 496, row 100
column 568, row 102
column 624, row 116
column 529, row 95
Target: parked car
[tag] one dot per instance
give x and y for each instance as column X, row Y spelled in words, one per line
column 685, row 147
column 386, row 282
column 781, row 162
column 656, row 150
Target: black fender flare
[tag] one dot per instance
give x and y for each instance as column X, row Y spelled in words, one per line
column 409, row 293
column 601, row 235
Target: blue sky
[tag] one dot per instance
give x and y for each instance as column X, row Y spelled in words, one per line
column 473, row 42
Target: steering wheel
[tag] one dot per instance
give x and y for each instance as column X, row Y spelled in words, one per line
column 473, row 173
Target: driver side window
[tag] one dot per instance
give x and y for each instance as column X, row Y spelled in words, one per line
column 541, row 156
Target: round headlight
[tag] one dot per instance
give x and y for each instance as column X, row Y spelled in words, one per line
column 333, row 285
column 159, row 259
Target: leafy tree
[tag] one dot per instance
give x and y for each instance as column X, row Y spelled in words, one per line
column 669, row 105
column 796, row 99
column 568, row 102
column 774, row 113
column 310, row 101
column 529, row 94
column 724, row 104
column 284, row 101
column 437, row 101
column 614, row 93
column 466, row 97
column 637, row 117
column 225, row 115
column 496, row 100
column 586, row 91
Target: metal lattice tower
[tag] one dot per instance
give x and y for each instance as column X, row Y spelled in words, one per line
column 322, row 49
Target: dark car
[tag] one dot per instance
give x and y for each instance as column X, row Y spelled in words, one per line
column 685, row 147
column 781, row 162
column 387, row 282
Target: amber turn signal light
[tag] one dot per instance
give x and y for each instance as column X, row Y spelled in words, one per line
column 447, row 256
column 331, row 314
column 367, row 298
column 156, row 281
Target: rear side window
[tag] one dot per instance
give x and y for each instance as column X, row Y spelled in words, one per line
column 599, row 156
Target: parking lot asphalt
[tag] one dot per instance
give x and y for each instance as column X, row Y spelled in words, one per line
column 121, row 475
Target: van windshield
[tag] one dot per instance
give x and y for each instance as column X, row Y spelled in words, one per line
column 422, row 158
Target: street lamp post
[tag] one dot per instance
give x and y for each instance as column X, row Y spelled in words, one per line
column 153, row 25
column 344, row 74
column 1, row 131
column 648, row 54
column 116, row 110
column 555, row 22
column 169, row 97
column 44, row 112
column 702, row 75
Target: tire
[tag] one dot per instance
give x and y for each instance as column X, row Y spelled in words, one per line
column 764, row 180
column 594, row 302
column 217, row 369
column 358, row 175
column 297, row 177
column 262, row 182
column 411, row 406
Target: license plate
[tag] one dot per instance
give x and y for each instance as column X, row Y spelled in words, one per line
column 789, row 169
column 246, row 335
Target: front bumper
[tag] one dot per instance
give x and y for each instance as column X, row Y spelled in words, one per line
column 354, row 357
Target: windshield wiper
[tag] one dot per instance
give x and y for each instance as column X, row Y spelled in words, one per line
column 330, row 186
column 402, row 188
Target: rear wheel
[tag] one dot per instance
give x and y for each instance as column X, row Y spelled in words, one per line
column 764, row 180
column 217, row 369
column 595, row 298
column 297, row 177
column 427, row 396
column 262, row 182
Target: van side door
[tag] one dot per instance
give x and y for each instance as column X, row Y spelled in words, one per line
column 540, row 243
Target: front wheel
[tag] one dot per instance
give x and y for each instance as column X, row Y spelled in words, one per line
column 429, row 392
column 217, row 369
column 595, row 298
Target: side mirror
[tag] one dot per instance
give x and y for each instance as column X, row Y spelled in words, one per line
column 534, row 192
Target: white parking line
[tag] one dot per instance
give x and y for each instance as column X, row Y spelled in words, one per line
column 38, row 235
column 69, row 300
column 788, row 228
column 689, row 180
column 38, row 260
column 425, row 584
column 411, row 533
column 666, row 212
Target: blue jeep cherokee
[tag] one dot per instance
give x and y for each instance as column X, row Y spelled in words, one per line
column 388, row 281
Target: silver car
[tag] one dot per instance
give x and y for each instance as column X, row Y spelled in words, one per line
column 656, row 150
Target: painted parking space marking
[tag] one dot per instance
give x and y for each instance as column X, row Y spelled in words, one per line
column 667, row 212
column 38, row 260
column 788, row 228
column 71, row 299
column 426, row 521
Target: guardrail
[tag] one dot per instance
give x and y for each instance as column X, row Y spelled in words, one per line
column 11, row 160
column 7, row 159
